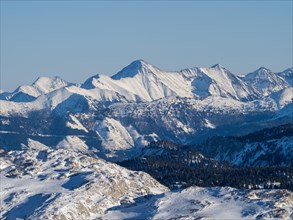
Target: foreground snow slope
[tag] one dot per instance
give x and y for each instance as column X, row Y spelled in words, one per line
column 209, row 203
column 41, row 183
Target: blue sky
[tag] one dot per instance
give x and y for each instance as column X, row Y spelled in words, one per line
column 78, row 39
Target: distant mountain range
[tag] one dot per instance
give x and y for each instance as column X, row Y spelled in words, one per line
column 141, row 81
column 141, row 104
column 196, row 127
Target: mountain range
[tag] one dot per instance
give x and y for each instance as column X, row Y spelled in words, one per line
column 141, row 81
column 142, row 103
column 63, row 145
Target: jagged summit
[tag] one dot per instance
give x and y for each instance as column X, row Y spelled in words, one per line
column 287, row 72
column 265, row 81
column 262, row 71
column 134, row 68
column 142, row 81
column 287, row 75
column 262, row 68
column 43, row 85
column 47, row 84
column 89, row 83
column 218, row 66
column 45, row 79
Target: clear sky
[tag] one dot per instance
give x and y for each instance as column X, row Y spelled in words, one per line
column 78, row 39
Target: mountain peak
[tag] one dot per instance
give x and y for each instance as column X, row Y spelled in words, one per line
column 287, row 75
column 89, row 83
column 263, row 69
column 218, row 66
column 46, row 79
column 47, row 84
column 288, row 72
column 261, row 72
column 134, row 68
column 140, row 62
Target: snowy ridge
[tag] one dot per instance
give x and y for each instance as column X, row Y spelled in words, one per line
column 287, row 75
column 264, row 148
column 42, row 85
column 265, row 81
column 218, row 81
column 283, row 97
column 148, row 83
column 142, row 103
column 143, row 82
column 56, row 138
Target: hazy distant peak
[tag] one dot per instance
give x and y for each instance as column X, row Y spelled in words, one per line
column 263, row 69
column 287, row 72
column 261, row 72
column 47, row 84
column 287, row 75
column 218, row 66
column 46, row 80
column 265, row 81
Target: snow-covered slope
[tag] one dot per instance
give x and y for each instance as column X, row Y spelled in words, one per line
column 283, row 97
column 42, row 85
column 41, row 183
column 268, row 147
column 143, row 81
column 265, row 81
column 142, row 103
column 218, row 81
column 147, row 82
column 54, row 134
column 123, row 128
column 287, row 75
column 270, row 153
column 210, row 203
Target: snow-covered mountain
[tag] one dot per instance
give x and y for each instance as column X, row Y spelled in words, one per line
column 287, row 75
column 265, row 81
column 43, row 183
column 145, row 82
column 141, row 81
column 42, row 85
column 218, row 81
column 142, row 103
column 268, row 147
column 58, row 140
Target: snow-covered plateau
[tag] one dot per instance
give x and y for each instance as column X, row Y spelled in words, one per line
column 60, row 142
